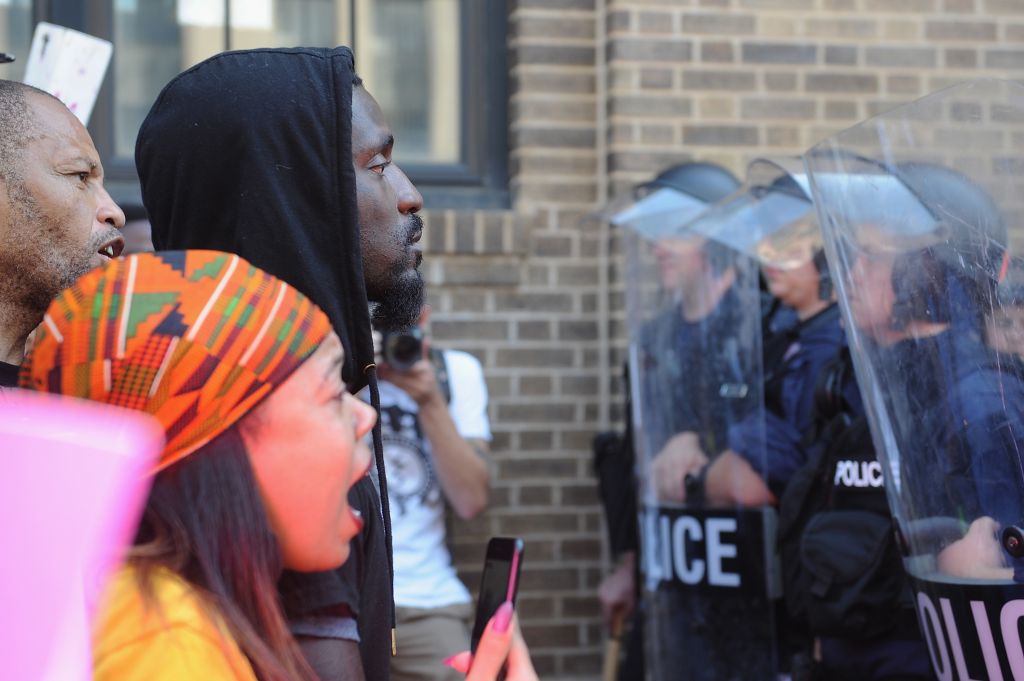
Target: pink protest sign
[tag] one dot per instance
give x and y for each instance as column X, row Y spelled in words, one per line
column 72, row 485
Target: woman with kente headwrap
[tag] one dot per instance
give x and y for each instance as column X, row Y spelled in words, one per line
column 263, row 442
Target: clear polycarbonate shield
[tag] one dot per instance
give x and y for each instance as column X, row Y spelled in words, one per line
column 921, row 212
column 654, row 211
column 694, row 318
column 770, row 218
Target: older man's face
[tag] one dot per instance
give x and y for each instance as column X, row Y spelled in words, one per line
column 56, row 220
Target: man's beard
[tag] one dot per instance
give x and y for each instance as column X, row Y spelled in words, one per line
column 400, row 299
column 400, row 305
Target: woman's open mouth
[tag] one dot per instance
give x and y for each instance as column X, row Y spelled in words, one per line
column 357, row 519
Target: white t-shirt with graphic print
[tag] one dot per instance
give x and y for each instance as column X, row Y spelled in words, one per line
column 424, row 576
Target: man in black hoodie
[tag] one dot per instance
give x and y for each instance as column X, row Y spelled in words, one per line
column 264, row 153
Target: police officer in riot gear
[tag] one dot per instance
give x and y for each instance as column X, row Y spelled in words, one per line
column 922, row 313
column 704, row 273
column 915, row 225
column 937, row 313
column 674, row 197
column 695, row 317
column 774, row 222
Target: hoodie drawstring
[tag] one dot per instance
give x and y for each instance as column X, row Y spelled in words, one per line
column 385, row 505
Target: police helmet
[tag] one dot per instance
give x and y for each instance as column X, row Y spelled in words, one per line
column 702, row 180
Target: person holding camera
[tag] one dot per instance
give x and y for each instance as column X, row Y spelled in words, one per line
column 433, row 407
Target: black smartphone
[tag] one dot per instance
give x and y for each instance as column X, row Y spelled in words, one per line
column 499, row 582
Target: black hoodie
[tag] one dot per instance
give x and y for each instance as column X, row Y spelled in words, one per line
column 251, row 152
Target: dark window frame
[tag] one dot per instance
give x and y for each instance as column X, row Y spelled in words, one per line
column 478, row 180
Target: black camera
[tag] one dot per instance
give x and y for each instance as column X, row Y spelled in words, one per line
column 401, row 349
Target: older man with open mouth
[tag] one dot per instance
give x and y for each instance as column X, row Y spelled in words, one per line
column 57, row 221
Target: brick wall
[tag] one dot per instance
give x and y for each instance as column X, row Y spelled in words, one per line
column 605, row 93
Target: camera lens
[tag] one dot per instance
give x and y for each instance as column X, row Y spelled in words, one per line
column 404, row 348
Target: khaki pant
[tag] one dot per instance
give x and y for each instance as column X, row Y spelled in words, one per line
column 426, row 637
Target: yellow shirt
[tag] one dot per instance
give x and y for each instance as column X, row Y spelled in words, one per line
column 177, row 641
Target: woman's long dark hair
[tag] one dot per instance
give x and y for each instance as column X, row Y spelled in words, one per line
column 206, row 522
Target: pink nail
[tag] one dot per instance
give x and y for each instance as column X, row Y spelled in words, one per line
column 449, row 661
column 503, row 617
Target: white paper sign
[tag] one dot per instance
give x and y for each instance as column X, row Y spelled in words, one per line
column 68, row 64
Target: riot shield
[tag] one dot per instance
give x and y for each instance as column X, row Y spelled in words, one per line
column 771, row 219
column 694, row 317
column 920, row 209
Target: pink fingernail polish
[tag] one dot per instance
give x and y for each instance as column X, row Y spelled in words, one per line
column 503, row 617
column 449, row 661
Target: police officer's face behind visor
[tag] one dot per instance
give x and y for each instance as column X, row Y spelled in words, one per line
column 680, row 261
column 789, row 269
column 797, row 287
column 871, row 292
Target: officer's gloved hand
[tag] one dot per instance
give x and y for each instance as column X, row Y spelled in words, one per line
column 681, row 456
column 978, row 555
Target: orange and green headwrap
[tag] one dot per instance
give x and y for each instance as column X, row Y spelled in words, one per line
column 195, row 338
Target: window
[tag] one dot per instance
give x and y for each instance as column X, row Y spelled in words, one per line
column 439, row 71
column 437, row 68
column 15, row 35
column 414, row 76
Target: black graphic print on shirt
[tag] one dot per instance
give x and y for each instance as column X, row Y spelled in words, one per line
column 411, row 478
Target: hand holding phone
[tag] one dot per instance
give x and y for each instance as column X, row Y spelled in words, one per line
column 499, row 652
column 501, row 648
column 499, row 582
